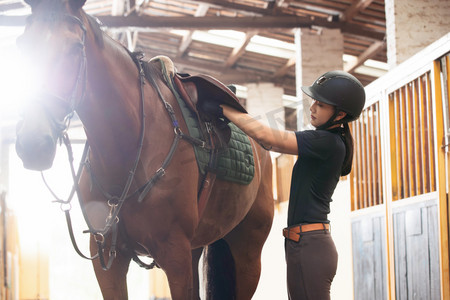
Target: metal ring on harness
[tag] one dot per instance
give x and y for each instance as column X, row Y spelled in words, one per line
column 114, row 201
column 100, row 240
column 178, row 131
column 66, row 206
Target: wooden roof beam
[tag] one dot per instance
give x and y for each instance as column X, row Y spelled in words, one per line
column 241, row 7
column 369, row 53
column 355, row 8
column 145, row 22
column 283, row 70
column 240, row 49
column 201, row 11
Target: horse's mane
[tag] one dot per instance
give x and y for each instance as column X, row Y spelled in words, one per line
column 150, row 70
column 95, row 25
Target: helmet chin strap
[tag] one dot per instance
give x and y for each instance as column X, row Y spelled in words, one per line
column 330, row 121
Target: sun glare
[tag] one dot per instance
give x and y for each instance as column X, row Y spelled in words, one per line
column 13, row 75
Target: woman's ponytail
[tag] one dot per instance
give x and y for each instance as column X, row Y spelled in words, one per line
column 348, row 159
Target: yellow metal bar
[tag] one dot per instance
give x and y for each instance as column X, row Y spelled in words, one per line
column 367, row 156
column 352, row 174
column 366, row 163
column 393, row 138
column 431, row 135
column 405, row 144
column 410, row 140
column 443, row 209
column 417, row 141
column 361, row 169
column 422, row 137
column 372, row 168
column 379, row 161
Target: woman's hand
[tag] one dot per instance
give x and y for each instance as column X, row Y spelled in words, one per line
column 282, row 141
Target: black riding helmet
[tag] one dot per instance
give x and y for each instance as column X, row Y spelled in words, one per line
column 340, row 89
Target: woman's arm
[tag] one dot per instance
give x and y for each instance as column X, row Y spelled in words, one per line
column 282, row 141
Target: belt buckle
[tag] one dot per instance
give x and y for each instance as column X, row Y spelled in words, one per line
column 288, row 234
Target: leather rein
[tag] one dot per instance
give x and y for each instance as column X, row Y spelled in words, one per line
column 114, row 202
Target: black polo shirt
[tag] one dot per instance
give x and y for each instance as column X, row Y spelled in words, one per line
column 315, row 175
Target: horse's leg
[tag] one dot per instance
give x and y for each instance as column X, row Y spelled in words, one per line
column 196, row 253
column 246, row 242
column 175, row 258
column 113, row 283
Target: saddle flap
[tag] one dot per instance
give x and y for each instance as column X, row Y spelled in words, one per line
column 211, row 89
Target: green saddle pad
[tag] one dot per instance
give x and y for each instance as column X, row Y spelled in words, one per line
column 235, row 163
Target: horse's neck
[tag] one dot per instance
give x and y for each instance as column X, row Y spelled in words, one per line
column 111, row 114
column 110, row 110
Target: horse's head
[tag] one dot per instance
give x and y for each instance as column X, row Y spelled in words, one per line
column 53, row 47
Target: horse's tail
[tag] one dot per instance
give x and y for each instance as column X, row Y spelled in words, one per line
column 220, row 272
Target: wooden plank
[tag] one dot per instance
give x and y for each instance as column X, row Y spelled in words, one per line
column 355, row 8
column 357, row 255
column 416, row 254
column 369, row 258
column 401, row 287
column 433, row 237
column 418, row 261
column 379, row 258
column 413, row 222
column 239, row 50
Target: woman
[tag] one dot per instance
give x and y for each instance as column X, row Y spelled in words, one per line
column 324, row 155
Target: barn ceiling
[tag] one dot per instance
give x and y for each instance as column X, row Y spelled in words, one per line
column 237, row 41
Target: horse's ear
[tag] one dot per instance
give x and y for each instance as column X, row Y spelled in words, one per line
column 77, row 4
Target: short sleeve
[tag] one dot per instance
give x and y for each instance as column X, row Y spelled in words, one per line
column 317, row 144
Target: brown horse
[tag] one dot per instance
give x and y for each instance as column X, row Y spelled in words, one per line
column 81, row 69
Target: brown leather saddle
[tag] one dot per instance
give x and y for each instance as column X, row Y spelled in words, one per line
column 193, row 89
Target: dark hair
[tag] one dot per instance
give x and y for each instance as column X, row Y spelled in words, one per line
column 348, row 159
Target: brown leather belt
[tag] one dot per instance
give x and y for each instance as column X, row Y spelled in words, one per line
column 293, row 233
